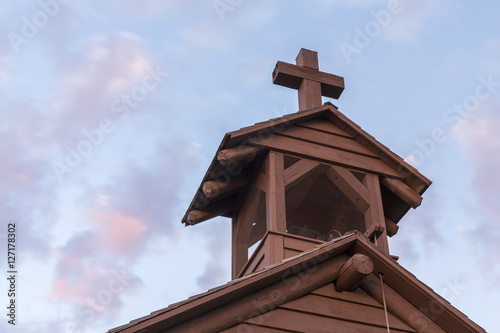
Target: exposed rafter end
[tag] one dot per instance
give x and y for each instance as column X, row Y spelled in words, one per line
column 403, row 191
column 391, row 226
column 217, row 209
column 238, row 153
column 353, row 272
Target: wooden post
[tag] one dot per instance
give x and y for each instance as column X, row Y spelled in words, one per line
column 353, row 272
column 374, row 216
column 275, row 194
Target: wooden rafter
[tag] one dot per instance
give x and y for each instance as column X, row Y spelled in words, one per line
column 216, row 209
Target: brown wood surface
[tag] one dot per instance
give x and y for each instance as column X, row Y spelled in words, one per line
column 340, row 309
column 330, row 155
column 327, row 140
column 216, row 209
column 298, row 171
column 237, row 154
column 375, row 215
column 353, row 272
column 242, row 230
column 275, row 194
column 325, row 126
column 291, row 76
column 350, row 186
column 392, row 228
column 399, row 306
column 406, row 193
column 263, row 300
column 298, row 321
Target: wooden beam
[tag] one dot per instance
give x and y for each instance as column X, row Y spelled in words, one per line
column 275, row 194
column 353, row 272
column 336, row 156
column 236, row 154
column 399, row 306
column 242, row 230
column 391, row 226
column 350, row 186
column 298, row 171
column 216, row 209
column 374, row 216
column 403, row 191
column 291, row 76
column 261, row 301
column 213, row 188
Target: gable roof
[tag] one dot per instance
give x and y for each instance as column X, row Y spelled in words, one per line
column 323, row 134
column 241, row 301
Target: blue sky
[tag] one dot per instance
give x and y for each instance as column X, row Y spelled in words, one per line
column 112, row 111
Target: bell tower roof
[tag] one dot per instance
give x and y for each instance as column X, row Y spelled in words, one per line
column 293, row 182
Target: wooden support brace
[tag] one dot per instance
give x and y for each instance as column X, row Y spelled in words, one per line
column 391, row 227
column 237, row 154
column 216, row 209
column 403, row 191
column 213, row 188
column 298, row 171
column 350, row 186
column 353, row 272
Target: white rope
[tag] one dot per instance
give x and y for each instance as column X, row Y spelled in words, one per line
column 385, row 305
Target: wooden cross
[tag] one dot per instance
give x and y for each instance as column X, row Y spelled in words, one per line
column 308, row 80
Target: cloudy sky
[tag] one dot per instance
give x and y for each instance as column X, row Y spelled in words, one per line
column 111, row 112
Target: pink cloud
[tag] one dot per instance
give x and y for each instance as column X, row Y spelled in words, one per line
column 120, row 233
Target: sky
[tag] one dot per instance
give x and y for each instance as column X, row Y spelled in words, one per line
column 111, row 112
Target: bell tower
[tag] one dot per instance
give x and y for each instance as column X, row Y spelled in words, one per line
column 292, row 183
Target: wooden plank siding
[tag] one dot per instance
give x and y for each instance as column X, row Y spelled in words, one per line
column 344, row 156
column 325, row 310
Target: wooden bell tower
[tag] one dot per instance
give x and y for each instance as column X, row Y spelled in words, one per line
column 292, row 183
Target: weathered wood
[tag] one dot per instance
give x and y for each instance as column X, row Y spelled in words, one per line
column 290, row 287
column 406, row 193
column 298, row 171
column 350, row 186
column 330, row 155
column 213, row 188
column 328, row 140
column 216, row 209
column 236, row 154
column 353, row 272
column 275, row 194
column 399, row 306
column 392, row 228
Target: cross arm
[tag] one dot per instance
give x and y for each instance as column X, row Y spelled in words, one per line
column 291, row 76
